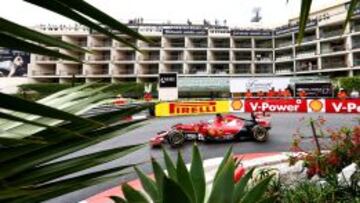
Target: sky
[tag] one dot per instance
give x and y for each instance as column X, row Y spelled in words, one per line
column 235, row 12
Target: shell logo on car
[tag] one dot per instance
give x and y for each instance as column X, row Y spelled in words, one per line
column 316, row 105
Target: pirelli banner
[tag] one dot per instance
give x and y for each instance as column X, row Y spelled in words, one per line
column 258, row 105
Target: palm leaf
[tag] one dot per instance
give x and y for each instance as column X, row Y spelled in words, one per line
column 132, row 195
column 304, row 15
column 184, row 179
column 351, row 10
column 173, row 193
column 58, row 169
column 94, row 13
column 241, row 185
column 170, row 167
column 17, row 104
column 28, row 34
column 149, row 186
column 12, row 42
column 223, row 186
column 197, row 175
column 256, row 193
column 62, row 9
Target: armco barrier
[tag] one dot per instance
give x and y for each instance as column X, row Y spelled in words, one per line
column 182, row 108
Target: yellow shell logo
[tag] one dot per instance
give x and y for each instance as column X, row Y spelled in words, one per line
column 237, row 105
column 316, row 105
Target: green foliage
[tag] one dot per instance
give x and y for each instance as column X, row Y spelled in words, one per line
column 350, row 83
column 41, row 90
column 34, row 136
column 188, row 184
column 305, row 11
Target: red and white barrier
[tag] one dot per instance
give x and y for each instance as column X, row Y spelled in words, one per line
column 296, row 105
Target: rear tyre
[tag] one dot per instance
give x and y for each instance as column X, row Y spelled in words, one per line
column 176, row 138
column 260, row 133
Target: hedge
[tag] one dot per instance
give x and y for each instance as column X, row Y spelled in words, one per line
column 350, row 83
column 45, row 89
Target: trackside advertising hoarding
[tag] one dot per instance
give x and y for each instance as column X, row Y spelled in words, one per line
column 258, row 105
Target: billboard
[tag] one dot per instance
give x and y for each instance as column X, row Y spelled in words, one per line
column 13, row 63
column 185, row 31
column 168, row 80
column 315, row 89
column 256, row 84
column 259, row 32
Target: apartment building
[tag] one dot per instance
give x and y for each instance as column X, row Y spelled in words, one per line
column 209, row 51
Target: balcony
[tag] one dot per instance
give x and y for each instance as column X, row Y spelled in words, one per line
column 100, row 58
column 306, row 54
column 220, row 43
column 334, row 65
column 124, row 58
column 225, row 56
column 199, row 45
column 242, row 43
column 242, row 69
column 332, row 49
column 242, row 56
column 70, row 72
column 43, row 73
column 100, row 72
column 220, row 69
column 306, row 65
column 129, row 71
column 284, row 58
column 264, row 44
column 263, row 69
column 154, row 71
column 331, row 33
column 283, row 70
column 174, row 58
column 45, row 58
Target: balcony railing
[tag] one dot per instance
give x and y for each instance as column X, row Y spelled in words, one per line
column 242, row 58
column 242, row 70
column 175, row 70
column 70, row 72
column 221, row 58
column 220, row 71
column 332, row 65
column 123, row 72
column 333, row 49
column 284, row 58
column 96, row 72
column 356, row 28
column 283, row 44
column 43, row 73
column 327, row 34
column 150, row 58
column 355, row 45
column 305, row 54
column 356, row 62
column 45, row 58
column 309, row 38
column 220, row 45
column 100, row 58
column 243, row 45
column 174, row 58
column 149, row 72
column 175, row 44
column 284, row 70
column 199, row 45
column 265, row 45
column 124, row 58
column 265, row 59
column 198, row 71
column 300, row 68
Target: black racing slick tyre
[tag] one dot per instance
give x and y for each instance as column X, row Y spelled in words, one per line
column 176, row 138
column 260, row 134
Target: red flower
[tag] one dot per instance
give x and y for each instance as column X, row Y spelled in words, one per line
column 333, row 159
column 239, row 173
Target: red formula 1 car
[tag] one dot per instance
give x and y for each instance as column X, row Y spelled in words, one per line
column 227, row 127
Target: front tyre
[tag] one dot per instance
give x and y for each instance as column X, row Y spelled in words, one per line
column 176, row 138
column 260, row 133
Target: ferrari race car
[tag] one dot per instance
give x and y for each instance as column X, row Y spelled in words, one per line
column 222, row 128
